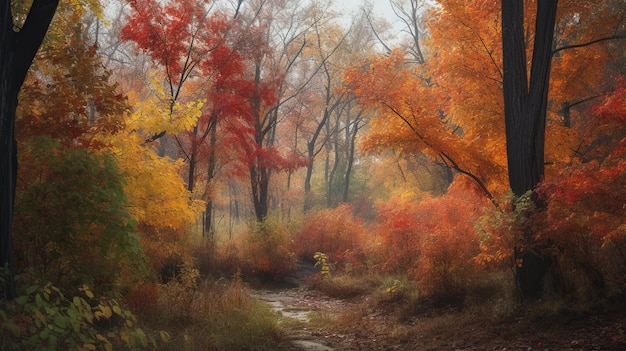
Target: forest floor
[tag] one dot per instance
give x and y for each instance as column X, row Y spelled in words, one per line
column 313, row 321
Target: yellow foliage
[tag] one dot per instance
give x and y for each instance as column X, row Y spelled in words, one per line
column 157, row 113
column 157, row 198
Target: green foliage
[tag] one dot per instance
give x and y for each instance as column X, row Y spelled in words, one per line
column 42, row 318
column 71, row 222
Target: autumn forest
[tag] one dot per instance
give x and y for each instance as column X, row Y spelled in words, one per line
column 166, row 165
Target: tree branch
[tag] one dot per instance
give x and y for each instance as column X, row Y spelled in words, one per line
column 575, row 46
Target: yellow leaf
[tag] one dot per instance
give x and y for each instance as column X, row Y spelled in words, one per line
column 106, row 310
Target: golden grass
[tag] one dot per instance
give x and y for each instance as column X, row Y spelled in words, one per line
column 219, row 315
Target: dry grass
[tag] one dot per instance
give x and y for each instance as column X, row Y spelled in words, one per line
column 219, row 315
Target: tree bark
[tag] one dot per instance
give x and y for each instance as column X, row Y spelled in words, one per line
column 525, row 101
column 17, row 51
column 525, row 104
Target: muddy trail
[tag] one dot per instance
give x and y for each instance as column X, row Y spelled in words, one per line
column 313, row 321
column 297, row 304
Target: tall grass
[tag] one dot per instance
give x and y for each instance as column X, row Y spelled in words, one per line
column 212, row 315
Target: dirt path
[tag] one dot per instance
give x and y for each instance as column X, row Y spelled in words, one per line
column 297, row 307
column 311, row 322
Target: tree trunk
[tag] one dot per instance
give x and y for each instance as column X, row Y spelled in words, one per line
column 525, row 103
column 17, row 51
column 351, row 146
column 211, row 166
column 331, row 176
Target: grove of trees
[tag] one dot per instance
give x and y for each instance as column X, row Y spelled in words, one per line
column 164, row 141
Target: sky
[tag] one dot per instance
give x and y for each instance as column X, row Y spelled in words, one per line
column 382, row 8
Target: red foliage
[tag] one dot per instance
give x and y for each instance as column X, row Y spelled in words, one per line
column 143, row 297
column 433, row 239
column 398, row 235
column 584, row 219
column 335, row 232
column 176, row 34
column 614, row 108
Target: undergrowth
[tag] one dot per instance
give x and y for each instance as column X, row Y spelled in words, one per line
column 211, row 315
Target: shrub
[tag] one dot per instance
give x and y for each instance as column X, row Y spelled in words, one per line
column 268, row 251
column 397, row 236
column 433, row 239
column 71, row 221
column 42, row 318
column 143, row 297
column 337, row 233
column 584, row 225
column 450, row 241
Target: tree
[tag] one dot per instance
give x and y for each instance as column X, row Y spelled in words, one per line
column 526, row 98
column 272, row 72
column 525, row 108
column 71, row 98
column 17, row 50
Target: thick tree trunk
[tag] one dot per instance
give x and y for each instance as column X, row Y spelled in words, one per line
column 525, row 104
column 17, row 50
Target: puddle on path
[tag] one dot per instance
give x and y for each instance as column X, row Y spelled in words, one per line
column 291, row 304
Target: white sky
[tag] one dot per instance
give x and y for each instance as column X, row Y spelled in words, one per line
column 382, row 8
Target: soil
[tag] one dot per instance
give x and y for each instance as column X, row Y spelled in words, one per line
column 316, row 322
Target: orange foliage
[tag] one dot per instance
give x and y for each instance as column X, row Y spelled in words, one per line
column 433, row 239
column 268, row 251
column 398, row 235
column 335, row 232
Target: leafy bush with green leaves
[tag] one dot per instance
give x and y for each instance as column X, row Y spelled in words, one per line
column 43, row 318
column 71, row 221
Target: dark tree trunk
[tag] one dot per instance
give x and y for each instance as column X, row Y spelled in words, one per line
column 525, row 103
column 193, row 160
column 211, row 166
column 17, row 50
column 259, row 179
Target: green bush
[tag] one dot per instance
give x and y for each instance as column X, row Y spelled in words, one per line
column 71, row 222
column 42, row 318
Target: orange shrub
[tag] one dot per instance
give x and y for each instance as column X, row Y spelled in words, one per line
column 450, row 242
column 432, row 239
column 397, row 236
column 268, row 251
column 335, row 232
